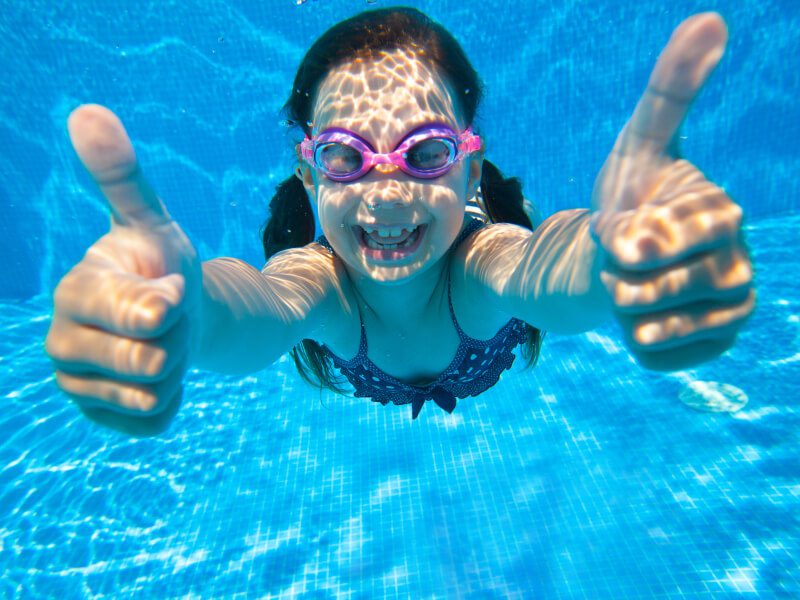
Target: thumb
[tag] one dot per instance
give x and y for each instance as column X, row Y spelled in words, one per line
column 105, row 149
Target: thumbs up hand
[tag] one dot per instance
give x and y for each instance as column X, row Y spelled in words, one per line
column 124, row 317
column 675, row 265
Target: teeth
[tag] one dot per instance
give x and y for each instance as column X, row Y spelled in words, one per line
column 371, row 243
column 389, row 231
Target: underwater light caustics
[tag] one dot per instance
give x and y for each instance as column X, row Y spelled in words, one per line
column 712, row 396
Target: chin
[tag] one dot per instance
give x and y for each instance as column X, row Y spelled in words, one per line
column 396, row 274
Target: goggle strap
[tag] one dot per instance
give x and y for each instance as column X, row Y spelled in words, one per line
column 470, row 141
column 307, row 150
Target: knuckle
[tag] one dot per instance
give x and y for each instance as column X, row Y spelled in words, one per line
column 139, row 399
column 143, row 400
column 647, row 335
column 63, row 292
column 55, row 346
column 150, row 313
column 155, row 364
column 728, row 270
column 736, row 213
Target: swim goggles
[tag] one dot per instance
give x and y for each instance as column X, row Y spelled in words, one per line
column 427, row 152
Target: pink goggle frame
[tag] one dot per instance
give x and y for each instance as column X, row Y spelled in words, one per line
column 448, row 147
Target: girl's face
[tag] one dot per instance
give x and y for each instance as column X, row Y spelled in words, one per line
column 383, row 100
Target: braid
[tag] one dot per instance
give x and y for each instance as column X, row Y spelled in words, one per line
column 291, row 221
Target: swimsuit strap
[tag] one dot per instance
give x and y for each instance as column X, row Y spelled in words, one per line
column 323, row 241
column 471, row 228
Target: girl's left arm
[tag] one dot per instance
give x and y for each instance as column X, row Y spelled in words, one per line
column 549, row 277
column 662, row 251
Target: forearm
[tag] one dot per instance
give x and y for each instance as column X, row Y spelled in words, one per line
column 569, row 261
column 549, row 277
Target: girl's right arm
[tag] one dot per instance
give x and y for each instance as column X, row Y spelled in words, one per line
column 139, row 308
column 251, row 318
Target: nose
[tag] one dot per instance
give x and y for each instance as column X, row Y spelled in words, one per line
column 388, row 201
column 382, row 204
column 386, row 168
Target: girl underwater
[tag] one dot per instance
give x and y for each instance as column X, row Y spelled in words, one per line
column 429, row 271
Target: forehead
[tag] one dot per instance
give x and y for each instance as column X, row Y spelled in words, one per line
column 384, row 97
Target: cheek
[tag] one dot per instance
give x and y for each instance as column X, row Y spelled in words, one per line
column 334, row 203
column 452, row 189
column 459, row 177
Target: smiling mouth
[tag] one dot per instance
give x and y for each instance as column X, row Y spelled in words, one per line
column 389, row 243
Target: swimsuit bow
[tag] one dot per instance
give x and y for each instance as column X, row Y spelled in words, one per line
column 446, row 400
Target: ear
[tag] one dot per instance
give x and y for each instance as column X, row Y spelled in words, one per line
column 475, row 170
column 305, row 174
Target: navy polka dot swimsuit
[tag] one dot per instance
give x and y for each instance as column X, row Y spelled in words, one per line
column 475, row 368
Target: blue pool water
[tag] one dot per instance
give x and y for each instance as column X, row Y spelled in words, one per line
column 587, row 477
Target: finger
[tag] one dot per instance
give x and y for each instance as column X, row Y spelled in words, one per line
column 724, row 275
column 104, row 148
column 696, row 219
column 84, row 350
column 121, row 303
column 687, row 324
column 123, row 397
column 685, row 357
column 689, row 57
column 136, row 425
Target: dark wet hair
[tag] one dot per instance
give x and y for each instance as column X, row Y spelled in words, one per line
column 291, row 220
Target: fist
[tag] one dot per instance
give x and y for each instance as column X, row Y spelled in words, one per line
column 675, row 264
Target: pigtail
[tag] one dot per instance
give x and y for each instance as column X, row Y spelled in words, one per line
column 503, row 198
column 291, row 221
column 504, row 203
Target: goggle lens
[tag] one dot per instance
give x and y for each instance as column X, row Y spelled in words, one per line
column 431, row 154
column 339, row 159
column 428, row 155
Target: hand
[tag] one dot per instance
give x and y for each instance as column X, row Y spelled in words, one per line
column 676, row 266
column 120, row 334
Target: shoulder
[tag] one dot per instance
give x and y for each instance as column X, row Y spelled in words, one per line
column 314, row 282
column 494, row 244
column 308, row 259
column 477, row 266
